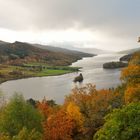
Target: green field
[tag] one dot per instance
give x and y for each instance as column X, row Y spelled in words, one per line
column 8, row 72
column 52, row 72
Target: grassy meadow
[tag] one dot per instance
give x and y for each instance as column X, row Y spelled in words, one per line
column 8, row 72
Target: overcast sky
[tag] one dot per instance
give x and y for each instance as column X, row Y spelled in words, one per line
column 103, row 24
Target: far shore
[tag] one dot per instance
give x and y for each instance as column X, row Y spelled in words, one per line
column 8, row 73
column 6, row 80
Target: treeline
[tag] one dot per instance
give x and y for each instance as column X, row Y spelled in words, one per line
column 87, row 113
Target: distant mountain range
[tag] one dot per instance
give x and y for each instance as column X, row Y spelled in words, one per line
column 129, row 51
column 3, row 42
column 20, row 52
column 64, row 50
column 94, row 51
column 63, row 47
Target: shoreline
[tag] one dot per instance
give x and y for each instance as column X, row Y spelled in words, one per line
column 4, row 81
column 61, row 71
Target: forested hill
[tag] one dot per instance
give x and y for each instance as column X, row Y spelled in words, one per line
column 130, row 51
column 128, row 56
column 19, row 52
column 64, row 50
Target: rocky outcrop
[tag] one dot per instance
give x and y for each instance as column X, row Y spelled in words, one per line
column 126, row 57
column 79, row 78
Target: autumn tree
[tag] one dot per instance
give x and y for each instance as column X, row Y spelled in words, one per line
column 44, row 108
column 94, row 105
column 78, row 120
column 131, row 76
column 132, row 94
column 121, row 124
column 18, row 114
column 58, row 126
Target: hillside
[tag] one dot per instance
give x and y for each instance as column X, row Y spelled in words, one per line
column 94, row 51
column 126, row 57
column 64, row 50
column 19, row 52
column 2, row 42
column 72, row 48
column 129, row 51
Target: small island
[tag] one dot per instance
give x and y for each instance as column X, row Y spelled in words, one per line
column 114, row 65
column 78, row 78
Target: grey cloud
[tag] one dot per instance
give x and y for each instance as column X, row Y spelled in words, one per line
column 118, row 17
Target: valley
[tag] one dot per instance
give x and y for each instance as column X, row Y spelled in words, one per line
column 23, row 60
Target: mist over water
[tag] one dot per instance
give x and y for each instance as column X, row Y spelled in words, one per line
column 57, row 87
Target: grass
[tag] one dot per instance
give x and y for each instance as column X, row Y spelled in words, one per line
column 52, row 72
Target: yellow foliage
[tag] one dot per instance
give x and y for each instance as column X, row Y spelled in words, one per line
column 74, row 112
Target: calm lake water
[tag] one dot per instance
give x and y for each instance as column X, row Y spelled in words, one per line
column 57, row 87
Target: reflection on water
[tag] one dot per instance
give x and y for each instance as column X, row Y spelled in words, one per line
column 56, row 87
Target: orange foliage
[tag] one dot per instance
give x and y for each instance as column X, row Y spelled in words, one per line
column 44, row 108
column 58, row 126
column 89, row 96
column 135, row 59
column 64, row 124
column 131, row 74
column 132, row 94
column 80, row 96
